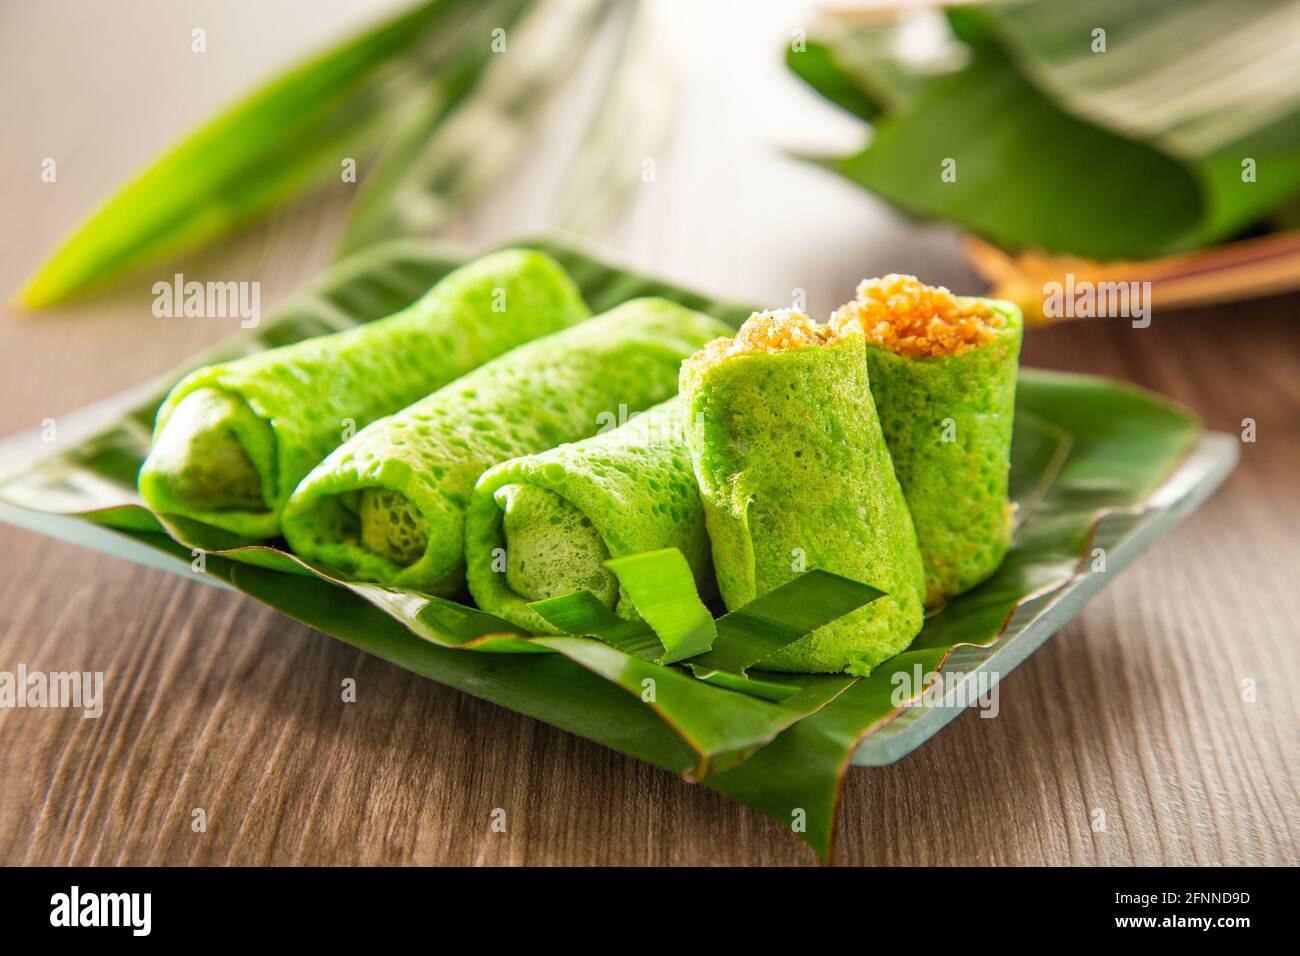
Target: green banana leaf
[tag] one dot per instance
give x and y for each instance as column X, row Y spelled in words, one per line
column 1094, row 465
column 856, row 65
column 1137, row 150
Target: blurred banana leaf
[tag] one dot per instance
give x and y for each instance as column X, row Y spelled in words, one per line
column 1174, row 127
column 439, row 159
column 630, row 125
column 447, row 92
column 859, row 64
column 1087, row 457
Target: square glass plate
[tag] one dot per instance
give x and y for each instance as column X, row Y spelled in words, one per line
column 1099, row 470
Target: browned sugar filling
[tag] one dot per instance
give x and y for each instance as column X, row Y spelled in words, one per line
column 910, row 318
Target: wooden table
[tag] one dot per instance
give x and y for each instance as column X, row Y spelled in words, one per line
column 1136, row 709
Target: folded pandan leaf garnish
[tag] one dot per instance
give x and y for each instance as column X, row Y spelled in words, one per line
column 677, row 627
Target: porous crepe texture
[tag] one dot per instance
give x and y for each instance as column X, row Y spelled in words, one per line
column 545, row 393
column 308, row 392
column 554, row 548
column 633, row 486
column 948, row 423
column 794, row 474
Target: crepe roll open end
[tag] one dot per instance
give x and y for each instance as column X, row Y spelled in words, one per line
column 392, row 527
column 543, row 525
column 551, row 547
column 205, row 459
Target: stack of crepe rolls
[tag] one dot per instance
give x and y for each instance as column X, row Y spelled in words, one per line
column 233, row 440
column 543, row 525
column 794, row 474
column 389, row 505
column 943, row 375
column 875, row 446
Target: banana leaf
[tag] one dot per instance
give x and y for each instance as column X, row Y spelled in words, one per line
column 857, row 65
column 1137, row 150
column 1094, row 465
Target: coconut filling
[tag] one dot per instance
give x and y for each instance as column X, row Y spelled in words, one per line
column 551, row 547
column 391, row 526
column 915, row 320
column 769, row 331
column 201, row 458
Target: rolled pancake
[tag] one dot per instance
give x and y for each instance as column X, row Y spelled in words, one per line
column 543, row 525
column 232, row 441
column 794, row 474
column 411, row 474
column 943, row 376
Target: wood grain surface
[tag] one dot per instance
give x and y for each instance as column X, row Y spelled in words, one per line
column 1137, row 709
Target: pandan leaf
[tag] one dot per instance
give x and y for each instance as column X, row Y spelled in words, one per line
column 448, row 93
column 675, row 625
column 662, row 588
column 582, row 614
column 259, row 152
column 762, row 627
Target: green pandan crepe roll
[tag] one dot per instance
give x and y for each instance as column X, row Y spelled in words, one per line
column 943, row 376
column 389, row 505
column 543, row 525
column 794, row 474
column 233, row 440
